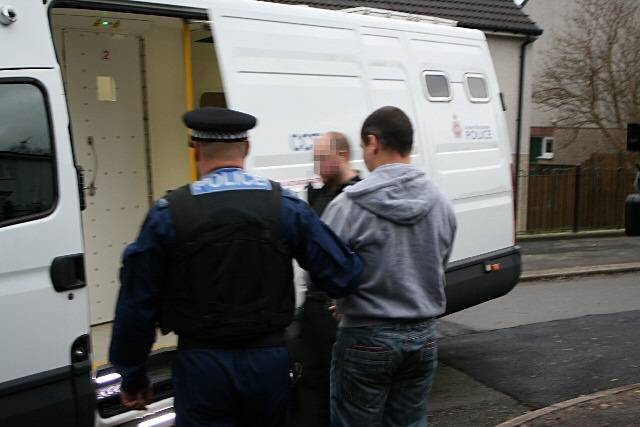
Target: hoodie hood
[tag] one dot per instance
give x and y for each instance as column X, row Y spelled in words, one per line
column 398, row 192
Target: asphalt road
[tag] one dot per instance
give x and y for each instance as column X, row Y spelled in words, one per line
column 533, row 302
column 545, row 363
column 545, row 342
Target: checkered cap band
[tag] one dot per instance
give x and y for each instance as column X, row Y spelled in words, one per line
column 219, row 136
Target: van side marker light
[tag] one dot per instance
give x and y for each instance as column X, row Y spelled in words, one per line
column 107, row 378
column 492, row 268
column 158, row 421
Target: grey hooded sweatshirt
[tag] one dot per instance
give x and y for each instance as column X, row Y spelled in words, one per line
column 403, row 227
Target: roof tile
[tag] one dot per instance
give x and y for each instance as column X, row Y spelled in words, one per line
column 488, row 15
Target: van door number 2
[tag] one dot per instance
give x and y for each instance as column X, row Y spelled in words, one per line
column 106, row 55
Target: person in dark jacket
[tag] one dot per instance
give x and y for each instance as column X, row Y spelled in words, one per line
column 213, row 263
column 332, row 154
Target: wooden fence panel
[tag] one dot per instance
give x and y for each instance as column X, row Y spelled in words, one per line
column 602, row 194
column 551, row 201
column 600, row 199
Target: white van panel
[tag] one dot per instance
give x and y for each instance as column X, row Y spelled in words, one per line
column 483, row 221
column 22, row 50
column 41, row 323
column 306, row 76
column 468, row 145
column 307, row 71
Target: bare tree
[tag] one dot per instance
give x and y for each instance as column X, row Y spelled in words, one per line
column 592, row 76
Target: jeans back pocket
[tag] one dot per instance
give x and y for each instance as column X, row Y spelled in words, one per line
column 366, row 375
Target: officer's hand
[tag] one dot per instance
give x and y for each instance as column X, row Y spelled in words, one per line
column 334, row 312
column 137, row 399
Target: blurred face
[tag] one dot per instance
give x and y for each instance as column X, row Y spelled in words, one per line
column 326, row 159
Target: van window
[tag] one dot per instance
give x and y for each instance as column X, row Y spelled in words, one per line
column 26, row 161
column 477, row 88
column 437, row 86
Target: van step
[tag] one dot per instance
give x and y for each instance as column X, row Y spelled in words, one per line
column 107, row 383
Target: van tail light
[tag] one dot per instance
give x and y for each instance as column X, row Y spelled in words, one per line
column 493, row 268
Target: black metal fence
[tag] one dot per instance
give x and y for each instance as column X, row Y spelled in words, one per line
column 576, row 198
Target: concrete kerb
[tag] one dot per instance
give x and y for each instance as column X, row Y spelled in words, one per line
column 579, row 271
column 530, row 416
column 571, row 235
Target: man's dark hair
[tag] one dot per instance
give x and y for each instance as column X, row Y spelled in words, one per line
column 392, row 127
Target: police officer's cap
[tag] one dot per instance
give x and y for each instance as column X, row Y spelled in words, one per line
column 216, row 124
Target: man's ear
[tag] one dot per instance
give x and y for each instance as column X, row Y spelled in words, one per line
column 374, row 142
column 247, row 147
column 196, row 150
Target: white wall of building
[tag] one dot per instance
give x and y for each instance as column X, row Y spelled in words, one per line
column 505, row 52
column 551, row 16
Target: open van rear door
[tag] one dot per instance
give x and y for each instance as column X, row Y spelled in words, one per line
column 304, row 71
column 290, row 66
column 45, row 376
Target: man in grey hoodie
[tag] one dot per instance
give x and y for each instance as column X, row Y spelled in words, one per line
column 403, row 227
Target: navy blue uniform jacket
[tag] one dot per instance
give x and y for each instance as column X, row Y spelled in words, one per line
column 332, row 266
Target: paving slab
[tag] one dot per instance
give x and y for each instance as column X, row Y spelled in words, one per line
column 560, row 273
column 618, row 407
column 582, row 234
column 549, row 254
column 459, row 400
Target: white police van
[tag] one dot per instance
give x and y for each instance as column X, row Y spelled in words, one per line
column 100, row 85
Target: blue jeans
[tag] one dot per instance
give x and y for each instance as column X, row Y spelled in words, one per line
column 232, row 388
column 381, row 375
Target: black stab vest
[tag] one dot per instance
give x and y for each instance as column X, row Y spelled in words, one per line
column 231, row 274
column 320, row 198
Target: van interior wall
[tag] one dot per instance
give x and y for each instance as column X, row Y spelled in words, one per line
column 166, row 95
column 165, row 89
column 206, row 75
column 125, row 82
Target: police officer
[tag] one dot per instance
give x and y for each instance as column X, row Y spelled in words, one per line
column 312, row 349
column 331, row 156
column 213, row 263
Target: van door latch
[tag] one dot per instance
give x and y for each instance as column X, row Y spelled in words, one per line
column 67, row 273
column 92, row 185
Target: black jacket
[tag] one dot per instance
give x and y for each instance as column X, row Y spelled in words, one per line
column 319, row 198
